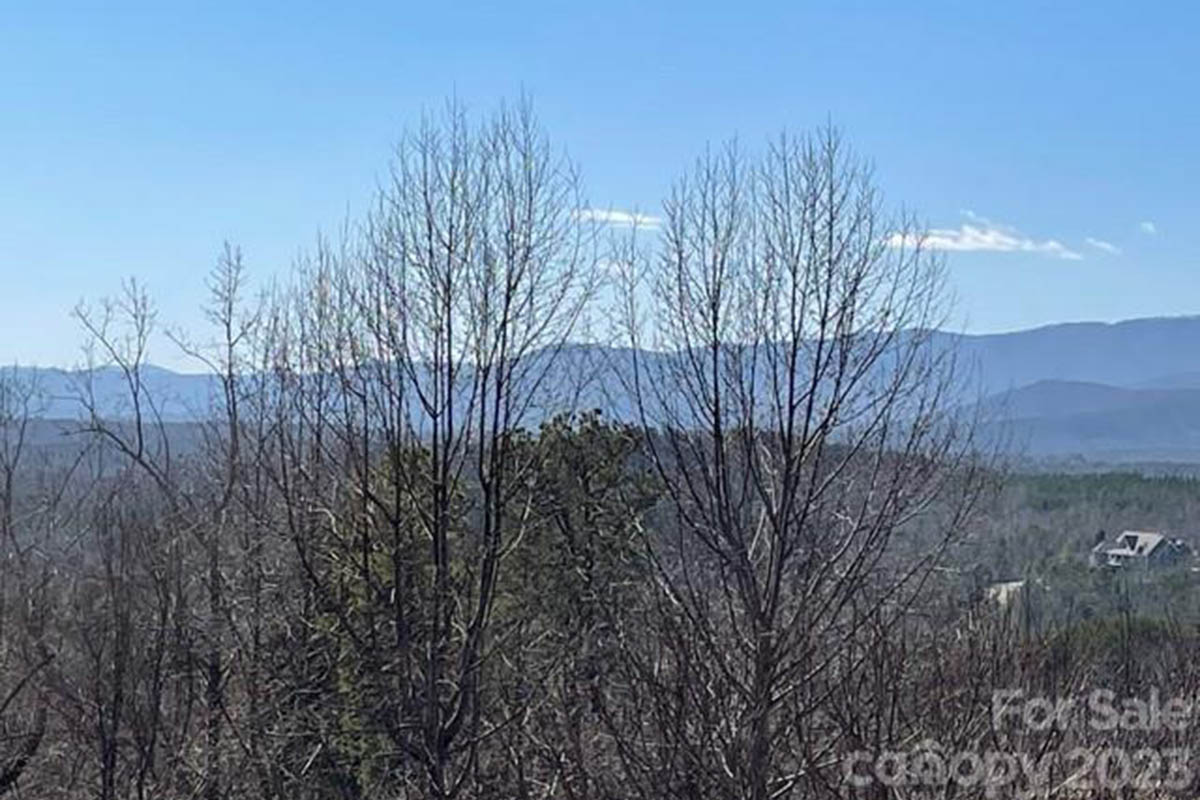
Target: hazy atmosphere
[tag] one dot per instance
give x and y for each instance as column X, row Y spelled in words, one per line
column 612, row 402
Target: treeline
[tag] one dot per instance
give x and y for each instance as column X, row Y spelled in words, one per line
column 397, row 560
column 1043, row 527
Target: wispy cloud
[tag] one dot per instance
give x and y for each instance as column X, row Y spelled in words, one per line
column 983, row 235
column 1148, row 228
column 1107, row 247
column 620, row 219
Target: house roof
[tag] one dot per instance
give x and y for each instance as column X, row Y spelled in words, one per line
column 1134, row 543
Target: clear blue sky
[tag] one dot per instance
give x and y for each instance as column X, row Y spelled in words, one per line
column 134, row 139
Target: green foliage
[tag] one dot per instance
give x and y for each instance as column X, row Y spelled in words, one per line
column 578, row 512
column 570, row 549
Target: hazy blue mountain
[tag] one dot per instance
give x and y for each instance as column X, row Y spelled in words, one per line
column 180, row 397
column 1053, row 418
column 1180, row 380
column 1135, row 353
column 1119, row 391
column 1051, row 399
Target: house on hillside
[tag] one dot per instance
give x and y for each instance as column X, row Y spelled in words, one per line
column 1140, row 549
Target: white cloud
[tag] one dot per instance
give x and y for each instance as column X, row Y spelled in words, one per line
column 620, row 219
column 1107, row 247
column 1148, row 228
column 983, row 235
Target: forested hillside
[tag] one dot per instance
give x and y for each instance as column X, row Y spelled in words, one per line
column 396, row 556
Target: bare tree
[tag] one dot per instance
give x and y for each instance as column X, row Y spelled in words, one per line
column 23, row 592
column 416, row 352
column 28, row 742
column 119, row 335
column 21, row 403
column 797, row 417
column 389, row 557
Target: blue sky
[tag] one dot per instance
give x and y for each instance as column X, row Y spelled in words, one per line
column 1051, row 147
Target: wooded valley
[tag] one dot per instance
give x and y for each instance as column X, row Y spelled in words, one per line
column 397, row 558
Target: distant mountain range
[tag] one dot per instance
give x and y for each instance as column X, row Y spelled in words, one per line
column 1099, row 421
column 182, row 397
column 1126, row 392
column 1119, row 392
column 1156, row 353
